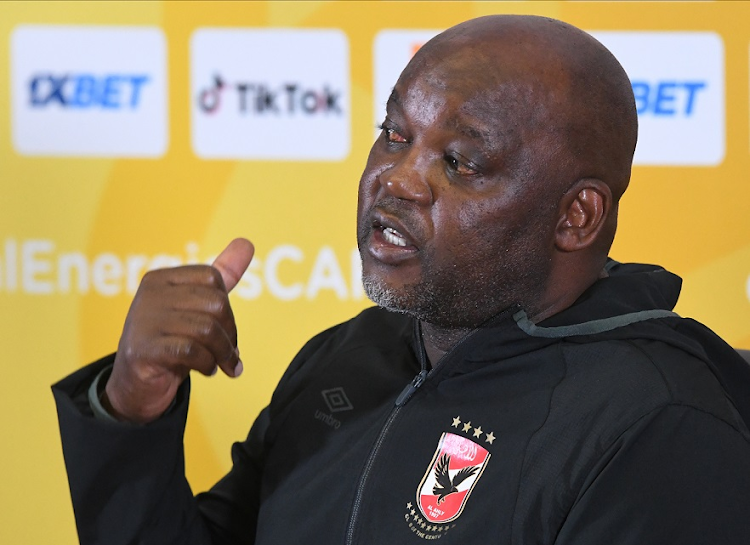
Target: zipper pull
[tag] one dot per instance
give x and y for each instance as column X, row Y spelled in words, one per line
column 411, row 388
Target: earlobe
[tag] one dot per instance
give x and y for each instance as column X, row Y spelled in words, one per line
column 583, row 212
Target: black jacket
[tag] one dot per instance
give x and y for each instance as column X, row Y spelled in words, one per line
column 614, row 421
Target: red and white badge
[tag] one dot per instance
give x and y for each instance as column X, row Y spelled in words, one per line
column 455, row 469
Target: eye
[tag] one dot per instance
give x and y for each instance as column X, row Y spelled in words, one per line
column 459, row 166
column 391, row 134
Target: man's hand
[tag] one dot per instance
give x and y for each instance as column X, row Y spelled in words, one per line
column 180, row 320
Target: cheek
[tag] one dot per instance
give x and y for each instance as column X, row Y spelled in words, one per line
column 376, row 165
column 489, row 227
column 367, row 182
column 484, row 219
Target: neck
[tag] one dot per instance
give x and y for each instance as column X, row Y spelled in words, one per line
column 439, row 340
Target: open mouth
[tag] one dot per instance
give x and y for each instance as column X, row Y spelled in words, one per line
column 391, row 242
column 393, row 237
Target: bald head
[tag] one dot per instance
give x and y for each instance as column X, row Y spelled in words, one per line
column 566, row 90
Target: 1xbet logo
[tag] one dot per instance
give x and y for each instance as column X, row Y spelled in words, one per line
column 678, row 85
column 258, row 98
column 668, row 98
column 108, row 91
column 89, row 91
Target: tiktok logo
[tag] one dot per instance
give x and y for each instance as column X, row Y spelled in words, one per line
column 276, row 106
column 260, row 98
column 209, row 99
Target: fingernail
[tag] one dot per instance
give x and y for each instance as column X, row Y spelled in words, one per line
column 216, row 370
column 238, row 368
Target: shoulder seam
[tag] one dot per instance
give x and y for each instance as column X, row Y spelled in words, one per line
column 532, row 435
column 664, row 381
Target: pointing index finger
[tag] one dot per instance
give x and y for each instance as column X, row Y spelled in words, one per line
column 234, row 261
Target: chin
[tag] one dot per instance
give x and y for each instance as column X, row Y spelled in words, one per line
column 384, row 295
column 416, row 300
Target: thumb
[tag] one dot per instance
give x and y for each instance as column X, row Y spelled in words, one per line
column 233, row 261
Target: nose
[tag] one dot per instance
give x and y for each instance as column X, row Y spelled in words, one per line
column 407, row 180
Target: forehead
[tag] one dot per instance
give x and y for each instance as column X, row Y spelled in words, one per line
column 481, row 101
column 495, row 77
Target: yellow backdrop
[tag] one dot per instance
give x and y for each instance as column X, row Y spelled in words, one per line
column 108, row 218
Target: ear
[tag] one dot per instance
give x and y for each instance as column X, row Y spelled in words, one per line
column 584, row 209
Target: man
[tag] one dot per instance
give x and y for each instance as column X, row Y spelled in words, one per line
column 513, row 386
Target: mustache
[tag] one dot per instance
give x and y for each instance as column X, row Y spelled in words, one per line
column 403, row 212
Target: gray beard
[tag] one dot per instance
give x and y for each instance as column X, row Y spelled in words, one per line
column 428, row 302
column 382, row 296
column 443, row 302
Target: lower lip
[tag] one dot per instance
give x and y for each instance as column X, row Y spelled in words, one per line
column 388, row 253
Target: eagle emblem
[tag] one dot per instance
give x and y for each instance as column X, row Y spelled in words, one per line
column 456, row 467
column 445, row 485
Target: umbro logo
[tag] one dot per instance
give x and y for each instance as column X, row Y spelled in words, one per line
column 336, row 400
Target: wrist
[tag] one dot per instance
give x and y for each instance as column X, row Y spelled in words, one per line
column 97, row 397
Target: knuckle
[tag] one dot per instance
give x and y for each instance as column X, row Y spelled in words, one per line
column 220, row 305
column 213, row 300
column 155, row 277
column 181, row 350
column 204, row 326
column 184, row 352
column 149, row 277
column 213, row 277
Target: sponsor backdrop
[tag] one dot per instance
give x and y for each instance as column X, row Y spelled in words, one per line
column 148, row 134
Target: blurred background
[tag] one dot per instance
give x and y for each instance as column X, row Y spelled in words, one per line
column 138, row 135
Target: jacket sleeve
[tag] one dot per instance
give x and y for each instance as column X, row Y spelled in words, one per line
column 682, row 478
column 127, row 482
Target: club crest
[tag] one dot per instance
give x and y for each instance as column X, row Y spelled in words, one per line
column 455, row 469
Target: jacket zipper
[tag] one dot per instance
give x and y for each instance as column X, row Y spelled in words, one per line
column 401, row 400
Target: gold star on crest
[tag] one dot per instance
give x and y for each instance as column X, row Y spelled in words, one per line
column 467, row 426
column 456, row 421
column 490, row 438
column 478, row 431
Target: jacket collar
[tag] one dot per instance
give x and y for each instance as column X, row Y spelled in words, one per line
column 631, row 294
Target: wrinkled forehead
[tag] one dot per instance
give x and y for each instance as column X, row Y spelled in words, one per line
column 496, row 88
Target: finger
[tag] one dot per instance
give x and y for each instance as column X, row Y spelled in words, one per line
column 184, row 353
column 234, row 261
column 205, row 331
column 233, row 366
column 186, row 275
column 208, row 300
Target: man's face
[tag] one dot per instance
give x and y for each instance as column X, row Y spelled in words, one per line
column 453, row 226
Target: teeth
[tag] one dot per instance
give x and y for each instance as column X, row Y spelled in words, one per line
column 393, row 236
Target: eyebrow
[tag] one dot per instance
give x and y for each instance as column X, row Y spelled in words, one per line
column 482, row 136
column 394, row 98
column 469, row 131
